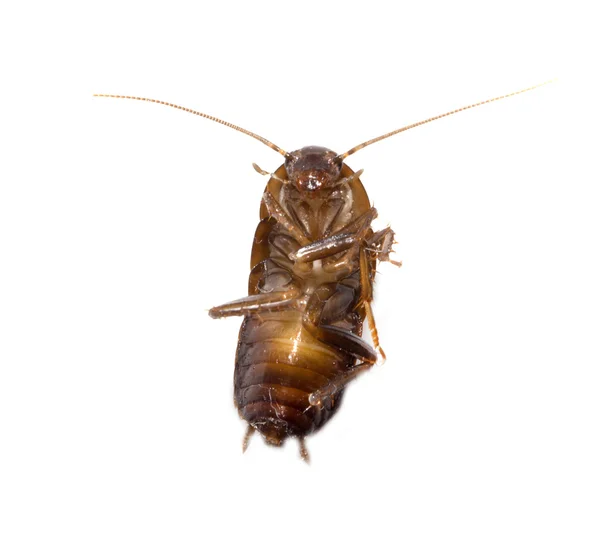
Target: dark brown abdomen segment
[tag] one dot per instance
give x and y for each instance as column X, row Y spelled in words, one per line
column 278, row 364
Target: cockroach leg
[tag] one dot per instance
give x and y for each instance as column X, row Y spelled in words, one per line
column 354, row 176
column 373, row 329
column 271, row 175
column 383, row 241
column 335, row 336
column 342, row 240
column 278, row 212
column 324, row 248
column 316, row 398
column 348, row 260
column 303, row 451
column 249, row 431
column 367, row 298
column 342, row 339
column 355, row 225
column 265, row 302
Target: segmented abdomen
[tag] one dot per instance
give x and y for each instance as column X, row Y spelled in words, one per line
column 278, row 364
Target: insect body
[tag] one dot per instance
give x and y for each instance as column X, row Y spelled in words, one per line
column 310, row 289
column 309, row 292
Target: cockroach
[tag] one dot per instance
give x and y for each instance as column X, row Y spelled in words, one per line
column 310, row 289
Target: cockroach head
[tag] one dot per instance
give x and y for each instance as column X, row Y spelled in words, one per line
column 311, row 169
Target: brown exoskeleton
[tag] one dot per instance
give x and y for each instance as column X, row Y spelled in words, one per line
column 310, row 290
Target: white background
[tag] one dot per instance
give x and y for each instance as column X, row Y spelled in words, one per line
column 122, row 223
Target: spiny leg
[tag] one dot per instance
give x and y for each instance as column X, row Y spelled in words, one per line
column 373, row 330
column 355, row 225
column 342, row 339
column 322, row 248
column 354, row 243
column 329, row 334
column 277, row 212
column 367, row 297
column 383, row 241
column 348, row 342
column 349, row 237
column 316, row 398
column 264, row 302
column 341, row 240
column 348, row 260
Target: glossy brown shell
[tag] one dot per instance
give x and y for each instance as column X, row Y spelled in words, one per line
column 278, row 362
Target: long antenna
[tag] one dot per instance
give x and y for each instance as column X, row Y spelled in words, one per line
column 214, row 119
column 381, row 137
